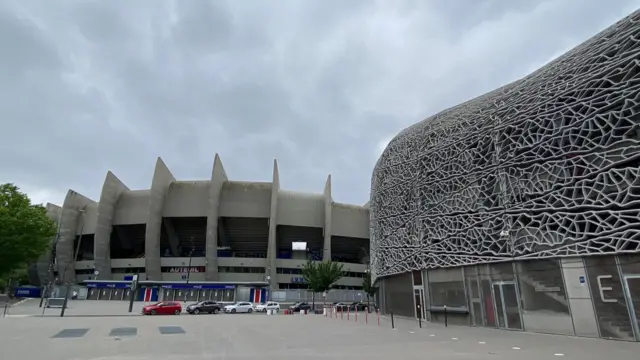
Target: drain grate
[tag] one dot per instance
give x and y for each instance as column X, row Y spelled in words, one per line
column 171, row 330
column 70, row 333
column 124, row 331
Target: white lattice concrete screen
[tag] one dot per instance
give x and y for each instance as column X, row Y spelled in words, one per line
column 545, row 166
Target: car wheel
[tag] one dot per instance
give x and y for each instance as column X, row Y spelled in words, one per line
column 153, row 312
column 215, row 311
column 233, row 311
column 177, row 312
column 250, row 311
column 196, row 311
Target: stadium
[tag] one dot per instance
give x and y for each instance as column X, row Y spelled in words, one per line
column 520, row 209
column 215, row 239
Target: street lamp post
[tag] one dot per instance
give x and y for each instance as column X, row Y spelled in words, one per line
column 189, row 266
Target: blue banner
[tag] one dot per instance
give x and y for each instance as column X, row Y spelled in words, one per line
column 197, row 286
column 109, row 285
column 27, row 292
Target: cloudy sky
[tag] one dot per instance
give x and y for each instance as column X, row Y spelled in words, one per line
column 91, row 86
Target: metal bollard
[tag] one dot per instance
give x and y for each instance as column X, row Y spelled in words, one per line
column 393, row 326
column 419, row 317
column 356, row 314
column 378, row 313
column 445, row 317
column 366, row 317
column 6, row 306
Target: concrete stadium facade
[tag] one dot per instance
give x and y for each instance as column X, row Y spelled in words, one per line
column 519, row 209
column 216, row 230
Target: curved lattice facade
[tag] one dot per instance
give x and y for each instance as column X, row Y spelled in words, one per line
column 546, row 166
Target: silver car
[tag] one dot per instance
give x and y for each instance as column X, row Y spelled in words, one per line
column 239, row 307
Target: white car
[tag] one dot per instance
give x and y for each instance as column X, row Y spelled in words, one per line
column 239, row 307
column 269, row 305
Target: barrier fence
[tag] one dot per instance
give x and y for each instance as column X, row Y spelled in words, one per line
column 306, row 296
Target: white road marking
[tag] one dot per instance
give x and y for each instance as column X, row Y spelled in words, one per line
column 558, row 354
column 481, row 342
column 411, row 332
column 515, row 348
column 432, row 335
column 454, row 338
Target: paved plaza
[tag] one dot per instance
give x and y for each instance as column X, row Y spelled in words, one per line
column 280, row 337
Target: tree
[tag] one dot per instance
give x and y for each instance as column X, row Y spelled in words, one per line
column 25, row 230
column 321, row 276
column 368, row 288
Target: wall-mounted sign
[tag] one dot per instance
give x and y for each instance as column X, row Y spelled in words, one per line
column 298, row 279
column 184, row 269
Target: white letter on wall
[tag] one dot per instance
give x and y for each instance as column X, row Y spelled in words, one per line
column 605, row 288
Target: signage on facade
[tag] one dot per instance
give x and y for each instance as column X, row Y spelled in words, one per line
column 185, row 269
column 298, row 279
column 197, row 286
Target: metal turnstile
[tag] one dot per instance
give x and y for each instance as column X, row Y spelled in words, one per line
column 203, row 295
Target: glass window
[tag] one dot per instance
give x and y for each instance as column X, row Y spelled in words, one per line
column 543, row 299
column 608, row 298
column 446, row 288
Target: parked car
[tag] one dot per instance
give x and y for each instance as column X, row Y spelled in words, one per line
column 207, row 306
column 163, row 308
column 300, row 306
column 340, row 306
column 358, row 306
column 239, row 307
column 269, row 305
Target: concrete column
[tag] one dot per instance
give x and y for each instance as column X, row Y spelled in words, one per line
column 162, row 178
column 328, row 205
column 272, row 249
column 111, row 191
column 70, row 222
column 218, row 178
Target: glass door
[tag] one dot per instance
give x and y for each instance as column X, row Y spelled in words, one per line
column 418, row 295
column 632, row 289
column 475, row 301
column 506, row 305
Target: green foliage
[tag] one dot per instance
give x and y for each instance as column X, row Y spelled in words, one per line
column 367, row 285
column 320, row 276
column 25, row 230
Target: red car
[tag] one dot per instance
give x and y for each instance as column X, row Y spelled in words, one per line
column 163, row 308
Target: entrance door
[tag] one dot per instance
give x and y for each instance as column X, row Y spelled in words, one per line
column 632, row 289
column 418, row 295
column 93, row 294
column 473, row 292
column 506, row 305
column 192, row 295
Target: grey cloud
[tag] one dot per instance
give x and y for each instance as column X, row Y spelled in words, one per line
column 91, row 86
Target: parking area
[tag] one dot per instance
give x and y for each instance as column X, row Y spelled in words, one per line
column 281, row 337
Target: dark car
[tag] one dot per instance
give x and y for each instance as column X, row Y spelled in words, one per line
column 340, row 306
column 300, row 306
column 207, row 306
column 358, row 306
